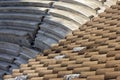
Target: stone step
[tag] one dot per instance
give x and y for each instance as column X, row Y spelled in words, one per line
column 27, row 10
column 21, row 16
column 94, row 4
column 78, row 19
column 19, row 23
column 78, row 9
column 29, row 0
column 67, row 25
column 40, row 45
column 42, row 36
column 49, row 35
column 54, row 30
column 9, row 48
column 43, row 42
column 9, row 51
column 4, row 65
column 27, row 3
column 27, row 53
column 6, row 58
column 110, row 2
column 7, row 67
column 14, row 36
column 24, row 56
column 19, row 61
column 12, row 60
column 30, row 31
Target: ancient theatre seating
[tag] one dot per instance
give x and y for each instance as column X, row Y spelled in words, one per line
column 65, row 16
column 91, row 52
column 12, row 55
column 19, row 20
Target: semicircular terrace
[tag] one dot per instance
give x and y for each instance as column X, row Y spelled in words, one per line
column 40, row 23
column 31, row 26
column 91, row 52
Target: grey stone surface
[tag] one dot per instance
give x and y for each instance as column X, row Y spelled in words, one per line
column 86, row 11
column 6, row 45
column 21, row 16
column 53, row 29
column 48, row 35
column 4, row 65
column 19, row 61
column 27, row 53
column 94, row 4
column 46, row 39
column 110, row 2
column 78, row 19
column 43, row 42
column 29, row 30
column 28, row 10
column 41, row 45
column 20, row 20
column 61, row 23
column 14, row 36
column 10, row 61
column 19, row 23
column 6, row 58
column 37, row 3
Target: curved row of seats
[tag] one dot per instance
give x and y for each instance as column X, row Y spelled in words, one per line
column 58, row 18
column 65, row 16
column 12, row 55
column 90, row 53
column 19, row 20
column 42, row 22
